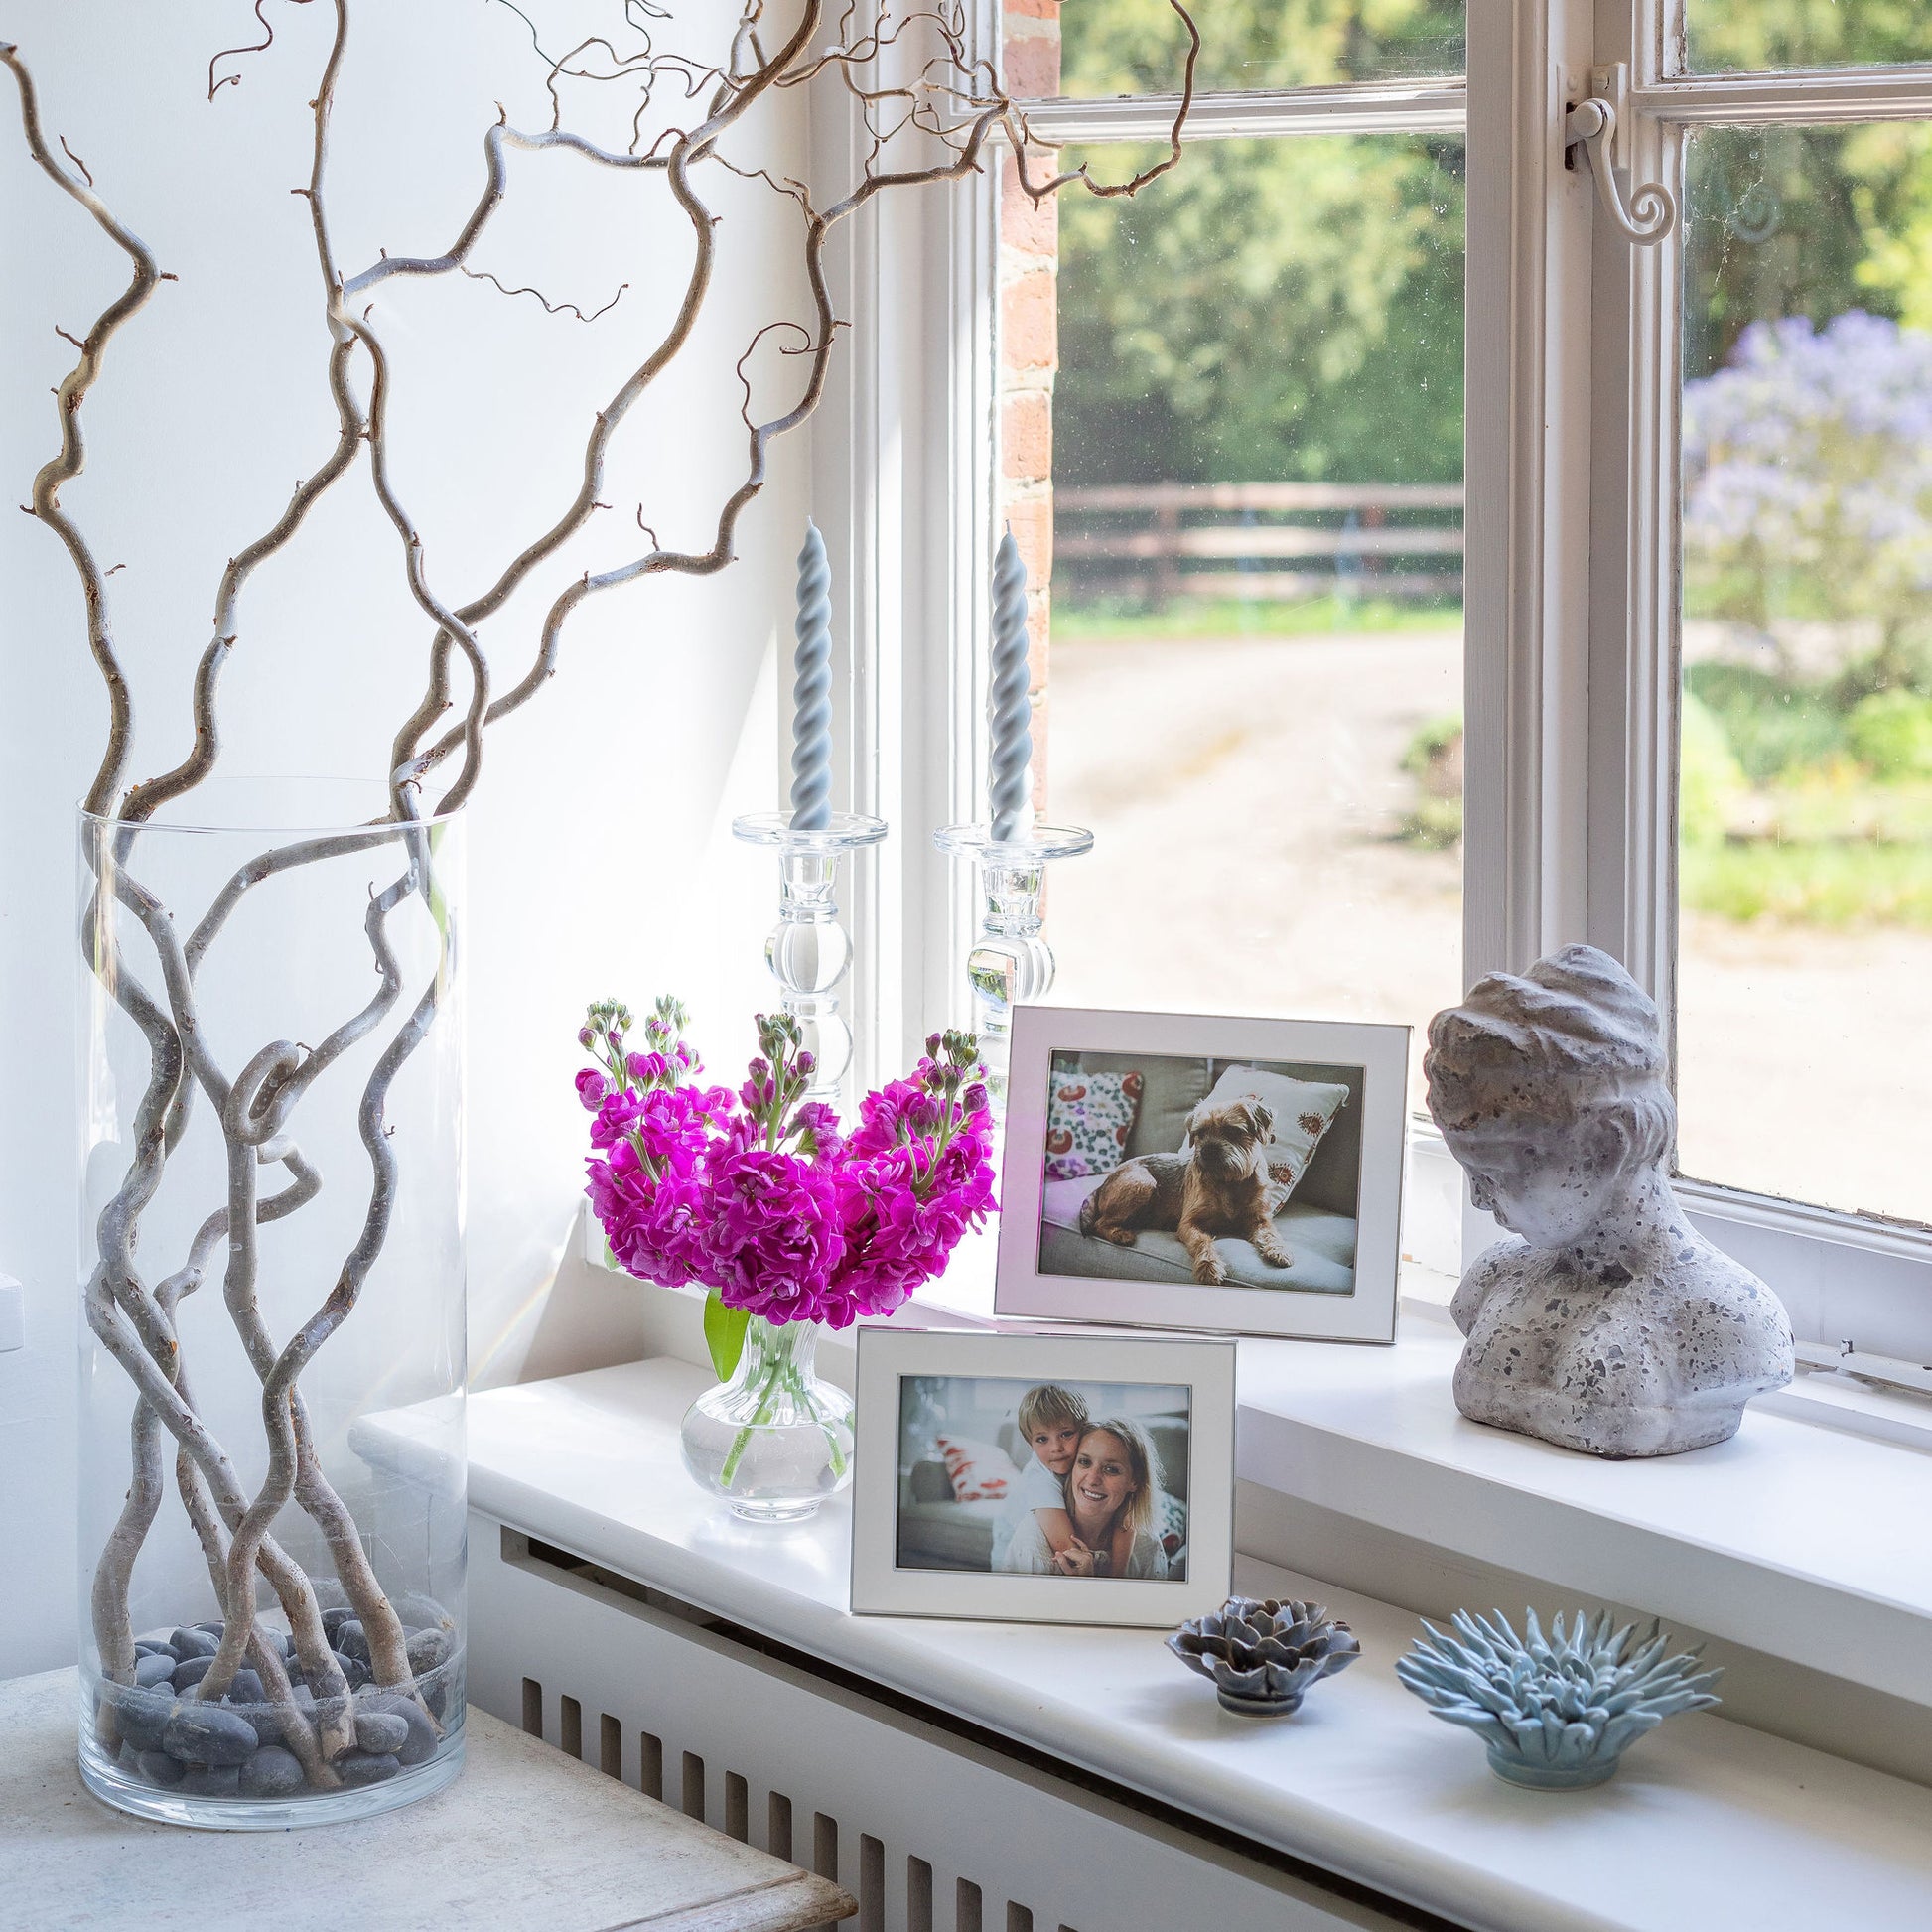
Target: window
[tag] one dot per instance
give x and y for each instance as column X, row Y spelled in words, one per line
column 1805, row 814
column 1426, row 576
column 1787, row 428
column 1250, row 505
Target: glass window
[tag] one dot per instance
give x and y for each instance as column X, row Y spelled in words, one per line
column 1805, row 820
column 1733, row 36
column 1136, row 46
column 1253, row 688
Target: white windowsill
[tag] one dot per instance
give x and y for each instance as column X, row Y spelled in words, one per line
column 1805, row 1542
column 1709, row 1824
column 1801, row 1539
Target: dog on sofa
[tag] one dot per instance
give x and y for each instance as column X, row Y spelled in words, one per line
column 1221, row 1185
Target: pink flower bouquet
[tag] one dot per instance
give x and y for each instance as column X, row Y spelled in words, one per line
column 761, row 1195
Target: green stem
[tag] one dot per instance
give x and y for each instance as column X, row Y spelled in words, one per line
column 783, row 1377
column 766, row 1402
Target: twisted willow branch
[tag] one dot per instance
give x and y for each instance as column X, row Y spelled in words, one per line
column 72, row 457
column 929, row 120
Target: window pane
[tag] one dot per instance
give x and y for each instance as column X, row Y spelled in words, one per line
column 1805, row 938
column 1138, row 47
column 1731, row 36
column 1255, row 681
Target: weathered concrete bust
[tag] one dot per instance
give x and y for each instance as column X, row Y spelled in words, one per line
column 1606, row 1323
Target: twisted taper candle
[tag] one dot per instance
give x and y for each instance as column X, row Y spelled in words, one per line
column 811, row 690
column 1008, row 709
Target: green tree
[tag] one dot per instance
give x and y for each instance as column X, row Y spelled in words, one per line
column 1121, row 47
column 1735, row 35
column 1892, row 164
column 1287, row 309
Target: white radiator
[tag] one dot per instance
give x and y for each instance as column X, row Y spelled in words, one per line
column 932, row 1826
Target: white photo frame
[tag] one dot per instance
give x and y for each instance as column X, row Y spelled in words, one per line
column 1342, row 1088
column 919, row 1549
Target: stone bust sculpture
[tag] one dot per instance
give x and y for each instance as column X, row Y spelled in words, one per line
column 1606, row 1323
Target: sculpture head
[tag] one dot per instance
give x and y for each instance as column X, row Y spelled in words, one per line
column 1551, row 1089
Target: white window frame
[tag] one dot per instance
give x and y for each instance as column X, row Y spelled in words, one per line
column 1570, row 585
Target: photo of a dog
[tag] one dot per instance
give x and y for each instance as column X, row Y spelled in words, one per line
column 1220, row 1172
column 1221, row 1183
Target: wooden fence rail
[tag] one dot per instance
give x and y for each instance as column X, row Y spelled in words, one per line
column 1172, row 522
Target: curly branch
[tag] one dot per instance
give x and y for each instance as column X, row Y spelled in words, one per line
column 261, row 46
column 552, row 308
column 1023, row 139
column 72, row 459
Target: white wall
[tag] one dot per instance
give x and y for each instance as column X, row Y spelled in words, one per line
column 600, row 856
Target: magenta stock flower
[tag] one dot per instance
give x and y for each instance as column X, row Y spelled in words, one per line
column 652, row 1222
column 774, row 1235
column 763, row 1197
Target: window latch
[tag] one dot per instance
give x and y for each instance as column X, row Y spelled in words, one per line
column 1651, row 212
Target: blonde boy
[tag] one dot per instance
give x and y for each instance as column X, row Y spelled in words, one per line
column 1051, row 1422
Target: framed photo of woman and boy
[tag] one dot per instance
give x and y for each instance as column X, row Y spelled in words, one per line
column 1049, row 1478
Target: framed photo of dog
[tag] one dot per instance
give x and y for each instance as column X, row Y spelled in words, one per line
column 1199, row 1171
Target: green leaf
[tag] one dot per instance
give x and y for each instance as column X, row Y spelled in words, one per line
column 724, row 1333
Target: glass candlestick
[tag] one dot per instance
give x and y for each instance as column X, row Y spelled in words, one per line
column 810, row 951
column 1011, row 964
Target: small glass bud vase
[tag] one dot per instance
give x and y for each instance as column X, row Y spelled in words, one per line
column 1011, row 963
column 774, row 1440
column 808, row 951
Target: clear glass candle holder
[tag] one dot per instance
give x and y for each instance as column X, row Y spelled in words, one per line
column 1010, row 964
column 808, row 951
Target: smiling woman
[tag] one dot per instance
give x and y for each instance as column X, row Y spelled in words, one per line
column 1112, row 1504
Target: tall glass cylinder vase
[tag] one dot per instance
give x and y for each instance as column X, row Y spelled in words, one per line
column 271, row 1496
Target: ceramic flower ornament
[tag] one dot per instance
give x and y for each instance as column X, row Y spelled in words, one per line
column 1264, row 1657
column 1556, row 1712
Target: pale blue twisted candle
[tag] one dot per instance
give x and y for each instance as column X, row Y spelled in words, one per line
column 811, row 690
column 1010, row 711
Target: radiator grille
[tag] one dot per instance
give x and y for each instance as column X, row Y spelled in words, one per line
column 928, row 1832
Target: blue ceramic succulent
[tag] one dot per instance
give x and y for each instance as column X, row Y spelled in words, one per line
column 1554, row 1711
column 1263, row 1656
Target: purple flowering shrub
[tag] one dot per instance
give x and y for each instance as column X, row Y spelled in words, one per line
column 1808, row 474
column 760, row 1195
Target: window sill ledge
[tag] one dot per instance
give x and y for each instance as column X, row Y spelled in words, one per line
column 1708, row 1823
column 1800, row 1539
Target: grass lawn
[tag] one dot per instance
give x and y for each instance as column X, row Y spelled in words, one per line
column 1187, row 618
column 1833, row 883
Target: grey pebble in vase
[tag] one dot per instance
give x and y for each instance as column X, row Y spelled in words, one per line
column 1264, row 1656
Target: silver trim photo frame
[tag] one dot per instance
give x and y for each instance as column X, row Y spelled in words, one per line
column 1204, row 1173
column 954, row 1513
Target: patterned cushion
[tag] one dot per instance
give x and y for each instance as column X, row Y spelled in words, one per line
column 981, row 1472
column 1089, row 1120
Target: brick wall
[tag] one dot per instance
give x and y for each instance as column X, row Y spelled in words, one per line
column 1028, row 340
